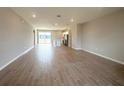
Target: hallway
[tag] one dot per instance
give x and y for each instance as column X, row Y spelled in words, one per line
column 46, row 65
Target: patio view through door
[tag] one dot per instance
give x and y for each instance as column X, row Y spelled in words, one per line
column 44, row 37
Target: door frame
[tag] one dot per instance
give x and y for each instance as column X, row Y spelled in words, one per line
column 38, row 31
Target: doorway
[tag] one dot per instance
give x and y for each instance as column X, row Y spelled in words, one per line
column 66, row 38
column 44, row 37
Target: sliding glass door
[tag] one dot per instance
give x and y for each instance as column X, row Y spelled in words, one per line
column 44, row 37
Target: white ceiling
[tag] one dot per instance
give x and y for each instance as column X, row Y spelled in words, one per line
column 46, row 16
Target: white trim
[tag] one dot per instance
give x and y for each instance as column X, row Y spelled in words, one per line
column 77, row 48
column 109, row 58
column 15, row 58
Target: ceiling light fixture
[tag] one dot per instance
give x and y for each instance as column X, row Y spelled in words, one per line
column 58, row 15
column 56, row 24
column 34, row 16
column 72, row 20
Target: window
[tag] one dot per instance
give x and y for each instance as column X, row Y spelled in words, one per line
column 44, row 37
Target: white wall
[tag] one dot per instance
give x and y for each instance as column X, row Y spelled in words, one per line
column 79, row 36
column 73, row 29
column 36, row 34
column 16, row 36
column 105, row 36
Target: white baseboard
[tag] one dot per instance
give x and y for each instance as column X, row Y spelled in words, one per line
column 114, row 60
column 77, row 48
column 15, row 58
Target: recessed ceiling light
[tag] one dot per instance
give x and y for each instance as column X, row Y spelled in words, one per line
column 72, row 20
column 56, row 24
column 34, row 16
column 58, row 15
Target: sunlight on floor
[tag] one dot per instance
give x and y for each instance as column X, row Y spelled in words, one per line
column 45, row 51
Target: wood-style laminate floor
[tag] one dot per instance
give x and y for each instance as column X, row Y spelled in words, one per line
column 45, row 65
